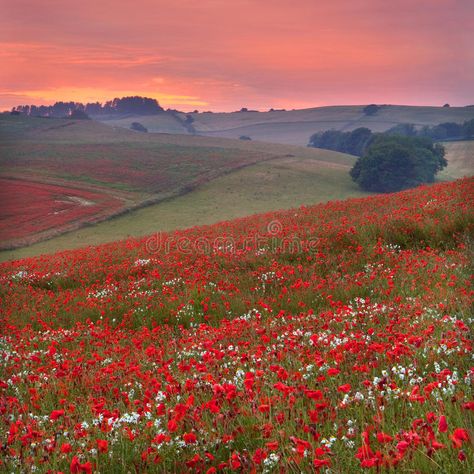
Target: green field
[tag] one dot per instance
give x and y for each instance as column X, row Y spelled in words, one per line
column 460, row 156
column 207, row 179
column 195, row 179
column 277, row 184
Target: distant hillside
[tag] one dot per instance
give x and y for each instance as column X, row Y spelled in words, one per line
column 296, row 126
column 460, row 156
column 279, row 183
column 58, row 175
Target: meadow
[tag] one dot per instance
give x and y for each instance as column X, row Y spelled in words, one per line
column 84, row 172
column 326, row 338
column 61, row 175
column 460, row 156
column 31, row 210
column 280, row 183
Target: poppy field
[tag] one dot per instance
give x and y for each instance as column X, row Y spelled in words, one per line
column 331, row 338
column 31, row 210
column 59, row 175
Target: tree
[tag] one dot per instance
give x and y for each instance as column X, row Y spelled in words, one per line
column 357, row 141
column 329, row 140
column 78, row 114
column 353, row 142
column 443, row 131
column 468, row 129
column 371, row 109
column 406, row 129
column 138, row 127
column 136, row 105
column 93, row 108
column 393, row 163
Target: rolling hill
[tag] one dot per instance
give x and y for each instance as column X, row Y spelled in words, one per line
column 60, row 175
column 280, row 183
column 460, row 156
column 83, row 172
column 332, row 336
column 296, row 126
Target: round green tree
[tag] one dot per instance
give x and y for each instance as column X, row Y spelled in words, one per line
column 394, row 163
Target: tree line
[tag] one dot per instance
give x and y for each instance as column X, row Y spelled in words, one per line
column 123, row 106
column 400, row 158
column 358, row 140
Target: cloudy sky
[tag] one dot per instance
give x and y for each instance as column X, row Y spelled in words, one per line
column 227, row 54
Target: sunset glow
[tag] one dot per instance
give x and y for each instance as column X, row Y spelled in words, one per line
column 222, row 55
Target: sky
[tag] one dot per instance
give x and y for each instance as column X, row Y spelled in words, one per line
column 223, row 55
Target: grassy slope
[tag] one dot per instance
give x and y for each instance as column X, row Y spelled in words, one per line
column 161, row 123
column 293, row 176
column 460, row 156
column 100, row 155
column 296, row 126
column 238, row 345
column 88, row 153
column 276, row 184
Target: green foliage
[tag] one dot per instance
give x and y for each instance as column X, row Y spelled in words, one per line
column 124, row 106
column 353, row 142
column 393, row 163
column 405, row 129
column 443, row 131
column 357, row 141
column 78, row 114
column 138, row 127
column 468, row 129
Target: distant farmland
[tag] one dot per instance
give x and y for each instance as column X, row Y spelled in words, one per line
column 460, row 156
column 59, row 175
column 296, row 126
column 280, row 183
column 31, row 210
column 52, row 167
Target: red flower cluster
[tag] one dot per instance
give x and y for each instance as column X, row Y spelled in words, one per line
column 37, row 210
column 349, row 351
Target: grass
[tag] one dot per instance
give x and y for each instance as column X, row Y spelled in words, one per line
column 277, row 184
column 460, row 156
column 137, row 169
column 352, row 353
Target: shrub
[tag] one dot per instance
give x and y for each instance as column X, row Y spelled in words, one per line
column 371, row 109
column 393, row 163
column 138, row 127
column 78, row 114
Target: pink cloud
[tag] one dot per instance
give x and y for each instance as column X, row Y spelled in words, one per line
column 228, row 54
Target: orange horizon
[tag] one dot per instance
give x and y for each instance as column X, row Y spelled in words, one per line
column 221, row 56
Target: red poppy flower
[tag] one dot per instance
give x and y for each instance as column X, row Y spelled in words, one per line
column 442, row 424
column 102, row 445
